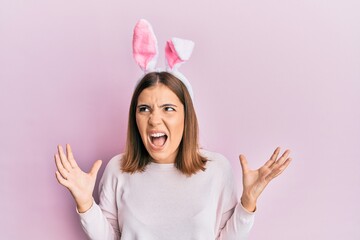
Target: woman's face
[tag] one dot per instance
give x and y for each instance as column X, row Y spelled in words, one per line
column 160, row 120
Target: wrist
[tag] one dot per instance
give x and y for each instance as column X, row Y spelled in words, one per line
column 248, row 203
column 83, row 207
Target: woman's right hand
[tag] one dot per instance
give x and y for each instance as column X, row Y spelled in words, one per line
column 80, row 184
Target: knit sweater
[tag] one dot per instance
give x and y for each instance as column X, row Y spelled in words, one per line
column 161, row 203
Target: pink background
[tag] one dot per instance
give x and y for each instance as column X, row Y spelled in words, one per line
column 265, row 73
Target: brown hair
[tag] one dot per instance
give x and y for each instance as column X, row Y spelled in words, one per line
column 188, row 159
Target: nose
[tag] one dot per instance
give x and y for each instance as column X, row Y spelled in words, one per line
column 155, row 118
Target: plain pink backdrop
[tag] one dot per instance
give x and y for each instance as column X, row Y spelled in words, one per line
column 265, row 73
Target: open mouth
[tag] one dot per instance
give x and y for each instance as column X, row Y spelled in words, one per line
column 158, row 139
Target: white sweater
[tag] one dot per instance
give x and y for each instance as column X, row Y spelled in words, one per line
column 163, row 204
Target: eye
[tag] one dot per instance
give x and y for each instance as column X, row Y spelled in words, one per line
column 144, row 109
column 169, row 109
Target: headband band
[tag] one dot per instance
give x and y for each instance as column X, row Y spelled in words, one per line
column 145, row 52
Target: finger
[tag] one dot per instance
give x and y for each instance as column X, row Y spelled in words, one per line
column 285, row 164
column 95, row 168
column 64, row 173
column 284, row 157
column 70, row 156
column 275, row 154
column 61, row 180
column 273, row 157
column 280, row 169
column 64, row 159
column 244, row 164
column 281, row 160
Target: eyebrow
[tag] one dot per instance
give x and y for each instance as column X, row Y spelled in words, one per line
column 142, row 105
column 164, row 105
column 168, row 105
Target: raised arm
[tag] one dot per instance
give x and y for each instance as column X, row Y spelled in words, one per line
column 96, row 222
column 238, row 221
column 79, row 183
column 255, row 181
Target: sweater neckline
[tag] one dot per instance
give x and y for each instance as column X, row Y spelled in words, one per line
column 161, row 166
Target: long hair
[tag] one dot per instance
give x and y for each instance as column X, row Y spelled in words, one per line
column 188, row 159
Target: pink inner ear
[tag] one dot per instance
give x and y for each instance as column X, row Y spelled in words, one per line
column 171, row 55
column 144, row 45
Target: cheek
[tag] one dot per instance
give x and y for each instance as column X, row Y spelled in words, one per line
column 179, row 127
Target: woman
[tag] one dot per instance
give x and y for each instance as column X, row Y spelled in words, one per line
column 164, row 186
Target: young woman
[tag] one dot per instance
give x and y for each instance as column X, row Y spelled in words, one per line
column 164, row 186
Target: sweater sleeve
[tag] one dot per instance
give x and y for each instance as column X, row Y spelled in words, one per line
column 236, row 222
column 101, row 221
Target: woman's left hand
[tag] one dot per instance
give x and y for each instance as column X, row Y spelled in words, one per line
column 255, row 181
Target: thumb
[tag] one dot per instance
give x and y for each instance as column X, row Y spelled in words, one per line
column 95, row 168
column 243, row 163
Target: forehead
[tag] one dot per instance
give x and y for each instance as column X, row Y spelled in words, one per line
column 158, row 94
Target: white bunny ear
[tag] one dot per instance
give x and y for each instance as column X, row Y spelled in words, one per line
column 177, row 51
column 145, row 46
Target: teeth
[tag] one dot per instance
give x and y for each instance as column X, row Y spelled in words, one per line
column 157, row 134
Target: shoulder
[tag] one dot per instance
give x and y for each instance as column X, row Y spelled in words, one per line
column 113, row 167
column 220, row 168
column 115, row 161
column 216, row 160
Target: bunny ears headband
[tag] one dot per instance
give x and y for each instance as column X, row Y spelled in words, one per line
column 145, row 52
